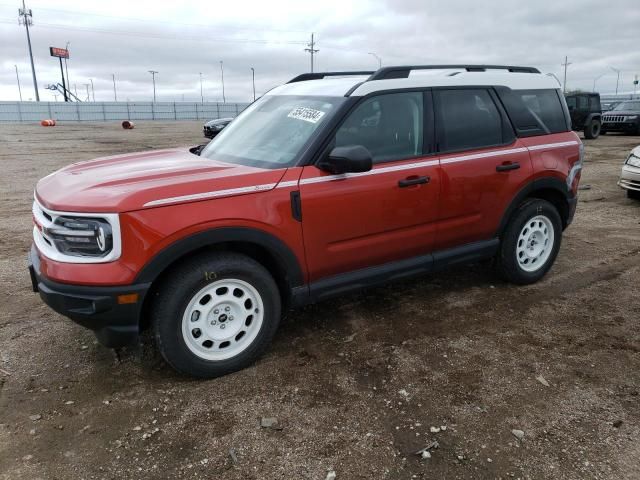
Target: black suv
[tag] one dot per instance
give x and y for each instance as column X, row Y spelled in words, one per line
column 625, row 117
column 586, row 113
column 214, row 127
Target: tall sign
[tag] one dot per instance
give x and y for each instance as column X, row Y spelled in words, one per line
column 61, row 53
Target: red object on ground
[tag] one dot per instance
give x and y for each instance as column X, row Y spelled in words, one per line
column 48, row 123
column 128, row 125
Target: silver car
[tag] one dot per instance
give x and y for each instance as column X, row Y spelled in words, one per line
column 630, row 176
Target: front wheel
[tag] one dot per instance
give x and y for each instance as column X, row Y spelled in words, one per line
column 592, row 129
column 215, row 314
column 530, row 243
column 633, row 194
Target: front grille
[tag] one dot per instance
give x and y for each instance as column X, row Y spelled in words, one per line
column 613, row 118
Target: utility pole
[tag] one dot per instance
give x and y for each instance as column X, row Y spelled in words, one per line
column 153, row 75
column 253, row 81
column 75, row 89
column 224, row 99
column 311, row 50
column 18, row 78
column 66, row 66
column 88, row 93
column 618, row 79
column 26, row 18
column 93, row 92
column 201, row 94
column 377, row 58
column 565, row 64
column 115, row 94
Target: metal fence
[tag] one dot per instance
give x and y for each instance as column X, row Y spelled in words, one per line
column 109, row 111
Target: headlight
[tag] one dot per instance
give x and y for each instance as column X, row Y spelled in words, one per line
column 631, row 117
column 81, row 236
column 633, row 161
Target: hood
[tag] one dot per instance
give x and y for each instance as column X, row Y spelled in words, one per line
column 636, row 151
column 218, row 121
column 142, row 180
column 621, row 112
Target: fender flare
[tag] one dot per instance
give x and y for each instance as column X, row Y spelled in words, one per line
column 180, row 248
column 544, row 183
column 590, row 117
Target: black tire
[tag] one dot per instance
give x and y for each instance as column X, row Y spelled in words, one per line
column 507, row 260
column 183, row 283
column 592, row 129
column 633, row 194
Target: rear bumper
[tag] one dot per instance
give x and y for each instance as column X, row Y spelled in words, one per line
column 114, row 323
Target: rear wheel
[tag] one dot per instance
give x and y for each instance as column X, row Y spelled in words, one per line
column 592, row 129
column 530, row 242
column 215, row 314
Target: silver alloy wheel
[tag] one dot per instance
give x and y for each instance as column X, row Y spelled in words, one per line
column 222, row 319
column 535, row 243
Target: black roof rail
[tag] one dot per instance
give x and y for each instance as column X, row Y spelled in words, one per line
column 403, row 71
column 320, row 75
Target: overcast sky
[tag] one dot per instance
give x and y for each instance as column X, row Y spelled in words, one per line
column 182, row 39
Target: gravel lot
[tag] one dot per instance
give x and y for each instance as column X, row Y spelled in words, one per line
column 356, row 384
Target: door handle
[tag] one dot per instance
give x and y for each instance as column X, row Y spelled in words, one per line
column 407, row 182
column 507, row 167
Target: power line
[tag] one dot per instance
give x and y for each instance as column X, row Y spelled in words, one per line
column 162, row 35
column 145, row 21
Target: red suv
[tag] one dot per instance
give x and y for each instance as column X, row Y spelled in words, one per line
column 327, row 184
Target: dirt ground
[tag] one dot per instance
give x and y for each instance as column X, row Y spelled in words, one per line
column 357, row 383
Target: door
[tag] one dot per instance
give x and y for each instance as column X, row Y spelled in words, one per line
column 361, row 220
column 483, row 164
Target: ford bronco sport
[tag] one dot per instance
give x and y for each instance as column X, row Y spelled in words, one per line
column 327, row 184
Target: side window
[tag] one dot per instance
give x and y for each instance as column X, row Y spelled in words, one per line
column 583, row 103
column 467, row 119
column 390, row 126
column 571, row 102
column 594, row 104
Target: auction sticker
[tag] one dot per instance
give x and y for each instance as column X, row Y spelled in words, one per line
column 307, row 114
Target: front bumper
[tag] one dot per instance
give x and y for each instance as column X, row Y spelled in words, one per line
column 630, row 178
column 102, row 309
column 628, row 127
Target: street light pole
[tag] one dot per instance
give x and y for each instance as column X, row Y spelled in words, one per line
column 93, row 92
column 88, row 95
column 18, row 78
column 618, row 79
column 253, row 81
column 377, row 58
column 201, row 94
column 224, row 100
column 153, row 76
column 596, row 79
column 115, row 94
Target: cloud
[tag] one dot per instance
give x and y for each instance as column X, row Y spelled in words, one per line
column 181, row 40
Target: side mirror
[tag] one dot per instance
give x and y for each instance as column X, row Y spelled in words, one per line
column 351, row 159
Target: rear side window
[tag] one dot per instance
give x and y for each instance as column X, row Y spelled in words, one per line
column 467, row 119
column 594, row 104
column 534, row 112
column 583, row 103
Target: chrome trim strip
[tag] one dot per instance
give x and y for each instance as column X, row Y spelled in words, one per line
column 375, row 171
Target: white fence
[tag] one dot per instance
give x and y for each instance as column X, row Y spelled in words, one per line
column 109, row 111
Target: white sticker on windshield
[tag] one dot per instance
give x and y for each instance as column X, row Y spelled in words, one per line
column 306, row 114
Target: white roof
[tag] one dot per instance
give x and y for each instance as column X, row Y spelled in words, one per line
column 339, row 86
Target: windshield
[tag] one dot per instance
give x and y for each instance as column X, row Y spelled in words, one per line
column 272, row 131
column 632, row 106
